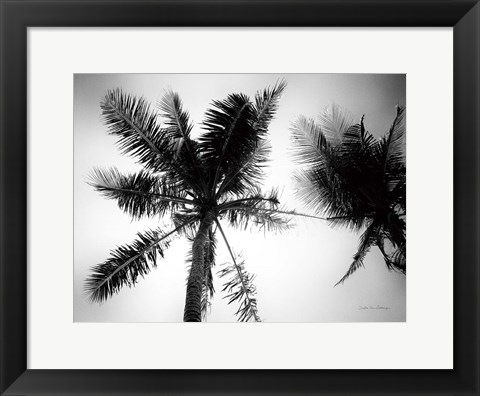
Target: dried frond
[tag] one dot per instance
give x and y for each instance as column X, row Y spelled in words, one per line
column 240, row 288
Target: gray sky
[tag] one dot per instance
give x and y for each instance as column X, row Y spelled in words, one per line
column 295, row 271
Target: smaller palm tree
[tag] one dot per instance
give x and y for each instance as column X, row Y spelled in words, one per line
column 356, row 180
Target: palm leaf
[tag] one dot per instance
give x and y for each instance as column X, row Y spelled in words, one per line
column 126, row 264
column 367, row 240
column 132, row 121
column 178, row 130
column 246, row 172
column 251, row 154
column 257, row 209
column 395, row 261
column 395, row 229
column 228, row 129
column 311, row 145
column 205, row 303
column 394, row 161
column 398, row 193
column 266, row 105
column 176, row 118
column 381, row 246
column 326, row 192
column 360, row 166
column 361, row 145
column 399, row 259
column 393, row 144
column 240, row 288
column 319, row 184
column 334, row 122
column 255, row 195
column 138, row 194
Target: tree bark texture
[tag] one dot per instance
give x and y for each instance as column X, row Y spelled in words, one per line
column 192, row 312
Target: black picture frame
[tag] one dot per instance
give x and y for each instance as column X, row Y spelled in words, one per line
column 18, row 15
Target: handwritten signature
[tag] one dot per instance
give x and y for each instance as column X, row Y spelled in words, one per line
column 362, row 307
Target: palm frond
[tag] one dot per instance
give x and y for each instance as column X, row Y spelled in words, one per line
column 126, row 264
column 360, row 165
column 351, row 222
column 138, row 194
column 251, row 156
column 245, row 173
column 132, row 121
column 360, row 144
column 319, row 184
column 334, row 122
column 367, row 240
column 393, row 151
column 397, row 191
column 328, row 194
column 310, row 144
column 176, row 118
column 381, row 247
column 135, row 125
column 318, row 189
column 228, row 129
column 399, row 259
column 256, row 195
column 247, row 215
column 395, row 229
column 393, row 144
column 266, row 105
column 205, row 303
column 240, row 286
column 393, row 148
column 258, row 210
column 178, row 130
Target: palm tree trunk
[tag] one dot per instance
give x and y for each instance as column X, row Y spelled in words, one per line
column 192, row 312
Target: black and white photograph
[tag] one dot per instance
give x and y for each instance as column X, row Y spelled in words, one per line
column 239, row 198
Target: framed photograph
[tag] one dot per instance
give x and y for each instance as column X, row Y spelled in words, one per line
column 259, row 219
column 248, row 166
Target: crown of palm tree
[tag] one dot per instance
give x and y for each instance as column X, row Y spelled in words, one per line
column 198, row 182
column 356, row 180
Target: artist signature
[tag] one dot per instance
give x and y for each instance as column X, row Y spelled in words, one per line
column 362, row 307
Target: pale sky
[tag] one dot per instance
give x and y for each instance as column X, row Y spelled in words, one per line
column 296, row 270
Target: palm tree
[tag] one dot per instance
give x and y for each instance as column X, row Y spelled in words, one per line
column 198, row 182
column 356, row 180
